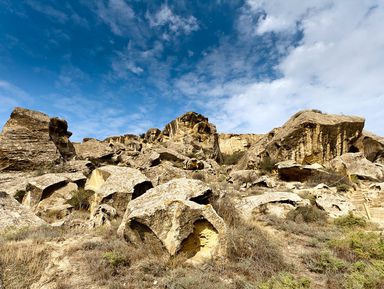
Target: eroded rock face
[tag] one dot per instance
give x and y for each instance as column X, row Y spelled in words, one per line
column 233, row 143
column 308, row 137
column 335, row 205
column 13, row 214
column 356, row 164
column 178, row 215
column 152, row 135
column 116, row 186
column 291, row 171
column 31, row 140
column 246, row 206
column 372, row 146
column 192, row 134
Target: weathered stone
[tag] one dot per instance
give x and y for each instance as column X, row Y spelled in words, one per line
column 334, row 204
column 116, row 186
column 30, row 140
column 356, row 164
column 246, row 206
column 243, row 176
column 264, row 181
column 234, row 143
column 14, row 183
column 308, row 137
column 41, row 187
column 291, row 171
column 372, row 146
column 102, row 216
column 192, row 134
column 131, row 142
column 13, row 214
column 193, row 164
column 177, row 214
column 152, row 135
column 56, row 205
column 93, row 149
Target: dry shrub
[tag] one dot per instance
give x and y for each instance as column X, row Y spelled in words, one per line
column 308, row 214
column 233, row 159
column 22, row 263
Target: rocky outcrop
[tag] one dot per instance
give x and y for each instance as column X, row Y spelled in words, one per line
column 356, row 164
column 285, row 200
column 30, row 140
column 291, row 171
column 178, row 214
column 130, row 141
column 13, row 214
column 94, row 150
column 335, row 205
column 192, row 135
column 116, row 186
column 234, row 143
column 372, row 146
column 152, row 135
column 308, row 137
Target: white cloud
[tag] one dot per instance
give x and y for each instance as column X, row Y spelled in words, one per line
column 175, row 23
column 49, row 11
column 117, row 14
column 337, row 66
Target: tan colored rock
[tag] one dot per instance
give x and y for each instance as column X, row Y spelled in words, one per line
column 30, row 140
column 193, row 164
column 233, row 143
column 92, row 149
column 56, row 205
column 176, row 214
column 102, row 216
column 131, row 142
column 308, row 137
column 116, row 186
column 356, row 164
column 335, row 205
column 152, row 135
column 13, row 214
column 192, row 135
column 372, row 146
column 246, row 206
column 291, row 171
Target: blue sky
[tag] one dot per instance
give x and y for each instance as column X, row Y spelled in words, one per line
column 122, row 66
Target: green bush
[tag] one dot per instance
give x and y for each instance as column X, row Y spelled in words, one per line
column 286, row 281
column 365, row 276
column 233, row 159
column 308, row 214
column 267, row 165
column 80, row 199
column 350, row 221
column 360, row 246
column 115, row 259
column 324, row 262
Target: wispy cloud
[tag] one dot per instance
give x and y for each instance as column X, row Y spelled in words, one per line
column 49, row 11
column 176, row 24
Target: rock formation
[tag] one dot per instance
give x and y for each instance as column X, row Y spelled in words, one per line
column 179, row 215
column 308, row 137
column 193, row 135
column 30, row 140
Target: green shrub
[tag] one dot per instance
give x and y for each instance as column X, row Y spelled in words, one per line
column 350, row 221
column 308, row 214
column 80, row 199
column 360, row 245
column 365, row 276
column 115, row 259
column 343, row 187
column 286, row 281
column 323, row 262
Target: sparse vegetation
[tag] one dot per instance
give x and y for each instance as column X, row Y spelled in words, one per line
column 80, row 199
column 350, row 221
column 267, row 165
column 234, row 158
column 308, row 214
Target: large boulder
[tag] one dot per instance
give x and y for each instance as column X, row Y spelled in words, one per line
column 116, row 186
column 291, row 171
column 178, row 214
column 30, row 140
column 372, row 146
column 308, row 137
column 280, row 203
column 235, row 143
column 335, row 205
column 356, row 164
column 192, row 135
column 13, row 214
column 95, row 150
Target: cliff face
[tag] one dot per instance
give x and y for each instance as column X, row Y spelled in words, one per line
column 193, row 135
column 232, row 143
column 32, row 140
column 308, row 137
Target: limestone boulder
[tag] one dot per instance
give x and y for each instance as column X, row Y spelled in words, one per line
column 102, row 216
column 94, row 150
column 14, row 183
column 286, row 201
column 152, row 135
column 308, row 137
column 178, row 214
column 372, row 146
column 31, row 140
column 192, row 135
column 116, row 186
column 335, row 205
column 13, row 214
column 291, row 171
column 243, row 176
column 235, row 143
column 356, row 164
column 193, row 164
